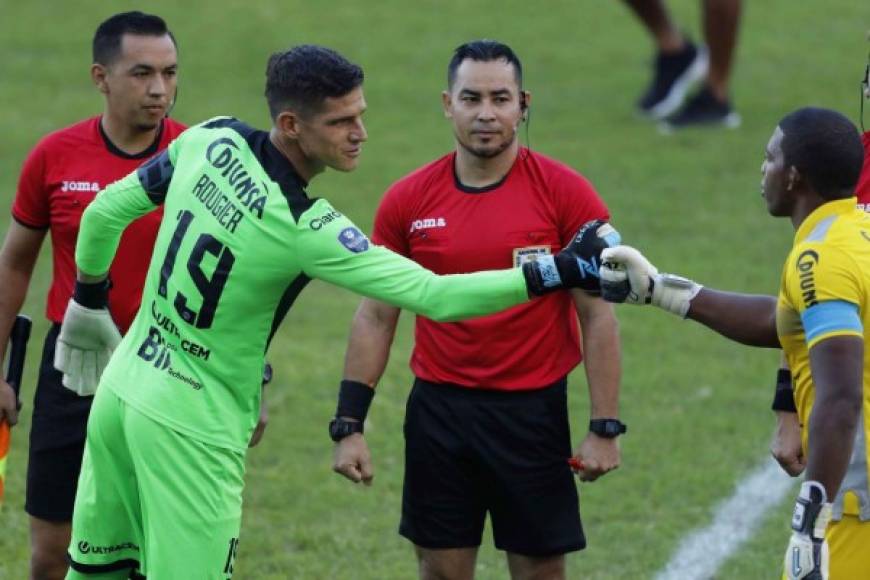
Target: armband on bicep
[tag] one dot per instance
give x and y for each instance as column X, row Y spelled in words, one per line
column 155, row 176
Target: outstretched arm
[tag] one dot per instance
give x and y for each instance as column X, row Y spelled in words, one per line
column 745, row 318
column 339, row 252
column 627, row 276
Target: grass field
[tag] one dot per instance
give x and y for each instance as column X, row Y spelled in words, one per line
column 697, row 406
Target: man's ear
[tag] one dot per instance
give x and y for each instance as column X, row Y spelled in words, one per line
column 98, row 77
column 447, row 104
column 287, row 123
column 794, row 177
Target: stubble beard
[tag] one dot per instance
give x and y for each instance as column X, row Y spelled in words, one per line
column 486, row 152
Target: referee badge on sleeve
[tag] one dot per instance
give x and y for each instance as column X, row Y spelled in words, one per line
column 529, row 254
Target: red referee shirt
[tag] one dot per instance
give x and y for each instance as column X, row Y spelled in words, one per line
column 60, row 177
column 429, row 217
column 863, row 189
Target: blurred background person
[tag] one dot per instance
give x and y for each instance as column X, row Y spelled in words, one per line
column 680, row 65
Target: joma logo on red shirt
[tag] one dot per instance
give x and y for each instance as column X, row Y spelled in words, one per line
column 428, row 223
column 80, row 186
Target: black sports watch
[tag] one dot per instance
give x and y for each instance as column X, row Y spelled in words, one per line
column 607, row 428
column 340, row 428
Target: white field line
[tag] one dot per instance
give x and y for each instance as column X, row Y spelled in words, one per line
column 704, row 550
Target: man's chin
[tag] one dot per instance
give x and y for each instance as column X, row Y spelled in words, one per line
column 346, row 165
column 146, row 126
column 776, row 211
column 487, row 151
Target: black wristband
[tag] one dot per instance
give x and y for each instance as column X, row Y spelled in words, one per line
column 92, row 295
column 354, row 399
column 607, row 428
column 783, row 398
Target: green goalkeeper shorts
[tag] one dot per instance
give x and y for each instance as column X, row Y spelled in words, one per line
column 153, row 500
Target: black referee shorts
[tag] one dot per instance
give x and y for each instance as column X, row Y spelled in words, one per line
column 473, row 451
column 57, row 441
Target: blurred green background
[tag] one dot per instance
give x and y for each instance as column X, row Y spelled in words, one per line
column 697, row 405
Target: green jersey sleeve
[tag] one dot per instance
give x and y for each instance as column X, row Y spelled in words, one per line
column 104, row 221
column 119, row 204
column 331, row 248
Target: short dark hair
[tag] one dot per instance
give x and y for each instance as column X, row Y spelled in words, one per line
column 107, row 40
column 303, row 77
column 826, row 149
column 485, row 51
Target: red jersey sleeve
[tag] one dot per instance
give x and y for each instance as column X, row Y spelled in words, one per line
column 31, row 204
column 577, row 202
column 863, row 189
column 389, row 228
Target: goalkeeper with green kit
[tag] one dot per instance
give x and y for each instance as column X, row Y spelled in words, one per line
column 161, row 485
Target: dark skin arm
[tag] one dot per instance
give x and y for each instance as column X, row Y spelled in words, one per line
column 749, row 319
column 837, row 365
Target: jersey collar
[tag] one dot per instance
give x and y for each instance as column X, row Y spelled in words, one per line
column 826, row 210
column 144, row 154
column 521, row 153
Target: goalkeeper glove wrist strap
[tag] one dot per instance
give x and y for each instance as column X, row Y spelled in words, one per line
column 542, row 276
column 811, row 510
column 783, row 398
column 92, row 295
column 354, row 399
column 674, row 293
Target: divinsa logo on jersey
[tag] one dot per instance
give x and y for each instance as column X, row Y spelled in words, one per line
column 80, row 186
column 248, row 192
column 354, row 240
column 427, row 223
column 806, row 263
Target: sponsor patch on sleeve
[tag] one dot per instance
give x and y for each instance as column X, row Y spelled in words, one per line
column 529, row 254
column 806, row 265
column 354, row 240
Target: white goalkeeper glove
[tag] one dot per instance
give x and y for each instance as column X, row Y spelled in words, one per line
column 807, row 553
column 627, row 276
column 86, row 341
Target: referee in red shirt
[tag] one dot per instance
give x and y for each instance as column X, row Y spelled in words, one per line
column 486, row 426
column 134, row 67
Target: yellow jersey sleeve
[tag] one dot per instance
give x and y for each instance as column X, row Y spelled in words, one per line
column 823, row 284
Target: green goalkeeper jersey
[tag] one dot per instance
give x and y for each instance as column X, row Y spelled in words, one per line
column 239, row 240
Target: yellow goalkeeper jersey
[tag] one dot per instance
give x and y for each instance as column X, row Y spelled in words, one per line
column 825, row 292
